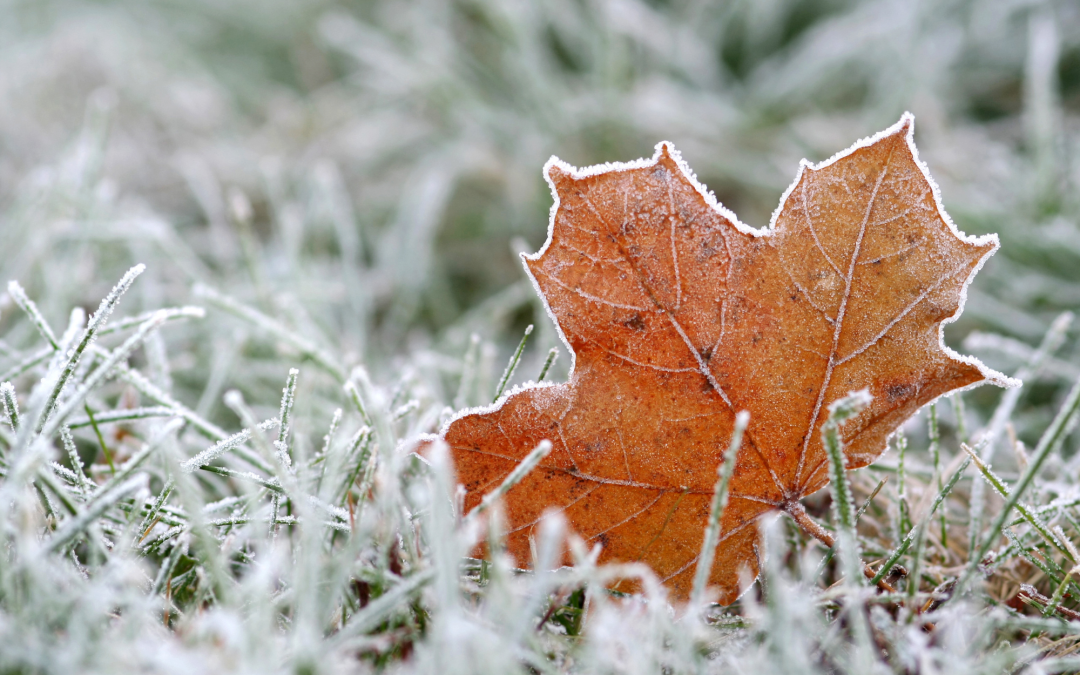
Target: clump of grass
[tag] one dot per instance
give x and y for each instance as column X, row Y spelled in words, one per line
column 253, row 550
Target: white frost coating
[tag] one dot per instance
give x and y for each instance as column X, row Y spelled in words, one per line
column 110, row 301
column 225, row 445
column 990, row 375
column 515, row 390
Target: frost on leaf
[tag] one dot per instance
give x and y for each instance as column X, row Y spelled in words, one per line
column 679, row 316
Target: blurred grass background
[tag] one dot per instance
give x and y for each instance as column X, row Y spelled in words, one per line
column 368, row 171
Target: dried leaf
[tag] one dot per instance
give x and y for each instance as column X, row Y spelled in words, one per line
column 679, row 316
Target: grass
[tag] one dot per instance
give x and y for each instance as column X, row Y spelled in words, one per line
column 207, row 472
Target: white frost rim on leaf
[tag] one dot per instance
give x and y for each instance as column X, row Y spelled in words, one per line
column 906, row 120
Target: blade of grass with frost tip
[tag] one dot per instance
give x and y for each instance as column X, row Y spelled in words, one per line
column 895, row 556
column 329, row 509
column 243, row 475
column 367, row 481
column 65, row 473
column 843, row 502
column 171, row 313
column 328, row 438
column 11, row 405
column 124, row 415
column 97, row 322
column 15, row 290
column 327, row 459
column 151, row 516
column 98, row 375
column 553, row 354
column 1051, row 438
column 358, row 456
column 95, row 508
column 542, row 450
column 376, row 406
column 231, row 443
column 904, row 521
column 354, row 395
column 1032, row 519
column 51, row 511
column 934, row 435
column 288, row 395
column 716, row 509
column 280, row 471
column 264, row 448
column 253, row 316
column 512, row 365
column 404, row 410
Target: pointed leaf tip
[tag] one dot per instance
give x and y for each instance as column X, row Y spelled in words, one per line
column 557, row 173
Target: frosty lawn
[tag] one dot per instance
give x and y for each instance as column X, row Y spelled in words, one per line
column 343, row 191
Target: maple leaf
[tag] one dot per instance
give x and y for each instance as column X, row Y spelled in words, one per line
column 679, row 316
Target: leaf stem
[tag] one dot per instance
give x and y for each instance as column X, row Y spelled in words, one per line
column 813, row 528
column 858, row 514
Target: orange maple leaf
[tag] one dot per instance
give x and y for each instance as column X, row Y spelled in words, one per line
column 679, row 316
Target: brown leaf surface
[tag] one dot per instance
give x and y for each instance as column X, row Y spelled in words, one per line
column 679, row 316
